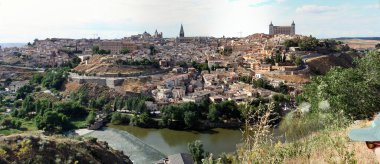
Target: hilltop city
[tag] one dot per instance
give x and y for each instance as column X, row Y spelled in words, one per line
column 187, row 83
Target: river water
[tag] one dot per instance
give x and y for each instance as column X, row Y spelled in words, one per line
column 149, row 145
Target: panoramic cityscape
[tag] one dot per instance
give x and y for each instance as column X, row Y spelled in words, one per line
column 189, row 81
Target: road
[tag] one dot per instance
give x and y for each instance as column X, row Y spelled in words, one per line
column 28, row 68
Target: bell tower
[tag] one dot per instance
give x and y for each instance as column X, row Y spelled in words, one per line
column 181, row 32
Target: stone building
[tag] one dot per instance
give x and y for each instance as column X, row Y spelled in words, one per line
column 287, row 30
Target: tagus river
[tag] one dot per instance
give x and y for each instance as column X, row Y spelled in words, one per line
column 149, row 145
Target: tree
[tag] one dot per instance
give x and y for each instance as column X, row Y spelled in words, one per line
column 291, row 43
column 95, row 50
column 278, row 58
column 190, row 119
column 91, row 118
column 36, row 78
column 53, row 122
column 196, row 150
column 213, row 114
column 124, row 51
column 353, row 90
column 282, row 88
column 377, row 46
column 298, row 61
column 118, row 118
column 22, row 92
column 54, row 79
column 71, row 109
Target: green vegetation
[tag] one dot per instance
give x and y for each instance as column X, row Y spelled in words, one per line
column 298, row 61
column 320, row 123
column 53, row 122
column 196, row 150
column 124, row 51
column 55, row 78
column 377, row 46
column 313, row 44
column 353, row 91
column 144, row 62
column 118, row 118
column 97, row 50
column 22, row 92
column 200, row 66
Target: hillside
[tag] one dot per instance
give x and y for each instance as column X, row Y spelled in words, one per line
column 42, row 149
column 362, row 44
column 322, row 64
column 106, row 65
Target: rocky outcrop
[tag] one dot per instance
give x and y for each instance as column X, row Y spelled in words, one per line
column 53, row 149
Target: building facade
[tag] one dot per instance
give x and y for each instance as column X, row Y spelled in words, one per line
column 286, row 30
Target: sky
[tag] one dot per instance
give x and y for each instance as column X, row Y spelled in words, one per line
column 26, row 20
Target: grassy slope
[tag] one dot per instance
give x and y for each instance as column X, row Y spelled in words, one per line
column 325, row 146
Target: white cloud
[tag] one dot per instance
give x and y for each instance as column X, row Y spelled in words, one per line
column 315, row 9
column 24, row 20
column 280, row 1
column 373, row 6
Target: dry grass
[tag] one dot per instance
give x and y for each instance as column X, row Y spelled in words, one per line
column 299, row 79
column 329, row 145
column 361, row 44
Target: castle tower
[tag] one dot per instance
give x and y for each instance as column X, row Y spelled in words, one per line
column 271, row 32
column 181, row 32
column 293, row 32
column 156, row 33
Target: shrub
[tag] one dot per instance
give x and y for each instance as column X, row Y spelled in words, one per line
column 118, row 118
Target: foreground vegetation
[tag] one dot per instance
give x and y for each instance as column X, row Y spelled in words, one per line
column 317, row 130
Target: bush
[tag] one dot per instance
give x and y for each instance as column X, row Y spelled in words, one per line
column 118, row 118
column 90, row 118
column 53, row 122
column 71, row 109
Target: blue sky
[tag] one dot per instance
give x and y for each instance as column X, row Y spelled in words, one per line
column 25, row 20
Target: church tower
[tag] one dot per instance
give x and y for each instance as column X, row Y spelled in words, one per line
column 181, row 32
column 271, row 32
column 293, row 32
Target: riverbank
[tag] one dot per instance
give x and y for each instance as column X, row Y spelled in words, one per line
column 138, row 151
column 170, row 141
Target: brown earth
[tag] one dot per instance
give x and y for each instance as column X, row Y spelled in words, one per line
column 104, row 64
column 299, row 79
column 93, row 91
column 56, row 149
column 322, row 64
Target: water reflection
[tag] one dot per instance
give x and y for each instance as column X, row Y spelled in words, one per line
column 169, row 141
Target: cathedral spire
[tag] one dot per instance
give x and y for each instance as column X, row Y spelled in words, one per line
column 181, row 32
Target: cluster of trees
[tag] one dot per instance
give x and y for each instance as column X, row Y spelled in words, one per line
column 313, row 44
column 377, row 46
column 124, row 51
column 97, row 50
column 353, row 90
column 52, row 79
column 200, row 66
column 9, row 123
column 75, row 61
column 22, row 92
column 223, row 111
column 118, row 118
column 145, row 62
column 153, row 50
column 186, row 113
column 262, row 83
column 49, row 116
